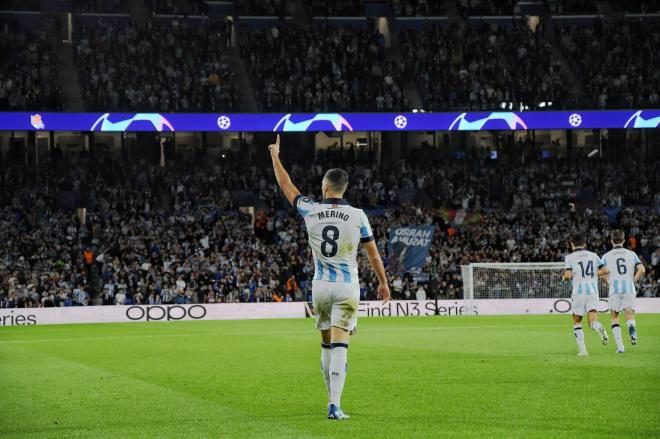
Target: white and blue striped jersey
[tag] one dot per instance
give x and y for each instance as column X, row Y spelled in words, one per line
column 335, row 229
column 584, row 265
column 622, row 264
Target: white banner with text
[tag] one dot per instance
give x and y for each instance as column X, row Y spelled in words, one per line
column 150, row 313
column 238, row 311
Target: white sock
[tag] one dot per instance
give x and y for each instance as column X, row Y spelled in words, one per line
column 325, row 365
column 616, row 330
column 337, row 371
column 579, row 337
column 596, row 326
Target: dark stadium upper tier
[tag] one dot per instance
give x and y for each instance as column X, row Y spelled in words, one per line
column 325, row 68
column 28, row 72
column 162, row 67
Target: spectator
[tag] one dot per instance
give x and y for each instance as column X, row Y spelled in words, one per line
column 117, row 72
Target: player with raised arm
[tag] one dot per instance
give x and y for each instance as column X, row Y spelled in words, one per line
column 584, row 268
column 335, row 230
column 625, row 269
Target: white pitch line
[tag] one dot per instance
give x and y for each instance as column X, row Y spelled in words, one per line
column 225, row 334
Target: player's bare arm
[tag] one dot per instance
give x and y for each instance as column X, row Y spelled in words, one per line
column 283, row 180
column 603, row 272
column 639, row 272
column 378, row 267
column 568, row 275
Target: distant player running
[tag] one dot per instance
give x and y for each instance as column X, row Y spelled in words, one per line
column 625, row 269
column 335, row 230
column 584, row 268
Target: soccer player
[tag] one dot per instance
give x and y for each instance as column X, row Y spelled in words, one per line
column 584, row 268
column 625, row 269
column 335, row 230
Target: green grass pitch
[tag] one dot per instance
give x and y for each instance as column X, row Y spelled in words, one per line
column 456, row 377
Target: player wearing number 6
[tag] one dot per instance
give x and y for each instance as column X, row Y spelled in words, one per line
column 625, row 270
column 584, row 268
column 335, row 231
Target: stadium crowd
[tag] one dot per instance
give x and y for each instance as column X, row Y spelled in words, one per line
column 265, row 7
column 176, row 235
column 101, row 6
column 178, row 7
column 476, row 68
column 162, row 67
column 328, row 68
column 28, row 73
column 616, row 61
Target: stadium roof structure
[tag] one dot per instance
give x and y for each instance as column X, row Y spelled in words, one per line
column 302, row 122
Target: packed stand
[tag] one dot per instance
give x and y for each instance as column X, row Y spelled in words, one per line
column 101, row 6
column 20, row 5
column 264, row 7
column 480, row 67
column 334, row 8
column 565, row 7
column 617, row 62
column 174, row 235
column 163, row 67
column 486, row 7
column 638, row 6
column 327, row 69
column 416, row 8
column 178, row 7
column 28, row 73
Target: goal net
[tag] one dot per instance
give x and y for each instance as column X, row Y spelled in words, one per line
column 513, row 281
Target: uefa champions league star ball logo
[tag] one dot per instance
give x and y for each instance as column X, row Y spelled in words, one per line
column 400, row 121
column 224, row 122
column 575, row 120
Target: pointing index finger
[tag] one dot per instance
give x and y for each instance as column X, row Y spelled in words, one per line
column 277, row 142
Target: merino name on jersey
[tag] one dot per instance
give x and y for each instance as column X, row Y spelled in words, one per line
column 334, row 229
column 333, row 214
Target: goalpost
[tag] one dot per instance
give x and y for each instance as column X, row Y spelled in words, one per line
column 513, row 281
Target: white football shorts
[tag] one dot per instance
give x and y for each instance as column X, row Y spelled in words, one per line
column 619, row 302
column 583, row 303
column 335, row 304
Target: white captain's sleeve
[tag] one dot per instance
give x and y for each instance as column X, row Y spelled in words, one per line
column 567, row 263
column 303, row 205
column 635, row 259
column 366, row 234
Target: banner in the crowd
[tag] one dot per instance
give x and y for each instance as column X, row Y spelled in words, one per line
column 408, row 248
column 459, row 217
column 299, row 122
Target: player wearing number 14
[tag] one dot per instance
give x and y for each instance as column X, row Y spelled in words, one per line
column 584, row 268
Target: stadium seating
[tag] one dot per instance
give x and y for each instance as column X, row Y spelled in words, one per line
column 179, row 7
column 264, row 7
column 117, row 71
column 175, row 231
column 101, row 6
column 615, row 61
column 28, row 73
column 478, row 69
column 328, row 69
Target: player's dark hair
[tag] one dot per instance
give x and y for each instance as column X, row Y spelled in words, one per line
column 618, row 236
column 578, row 239
column 337, row 179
